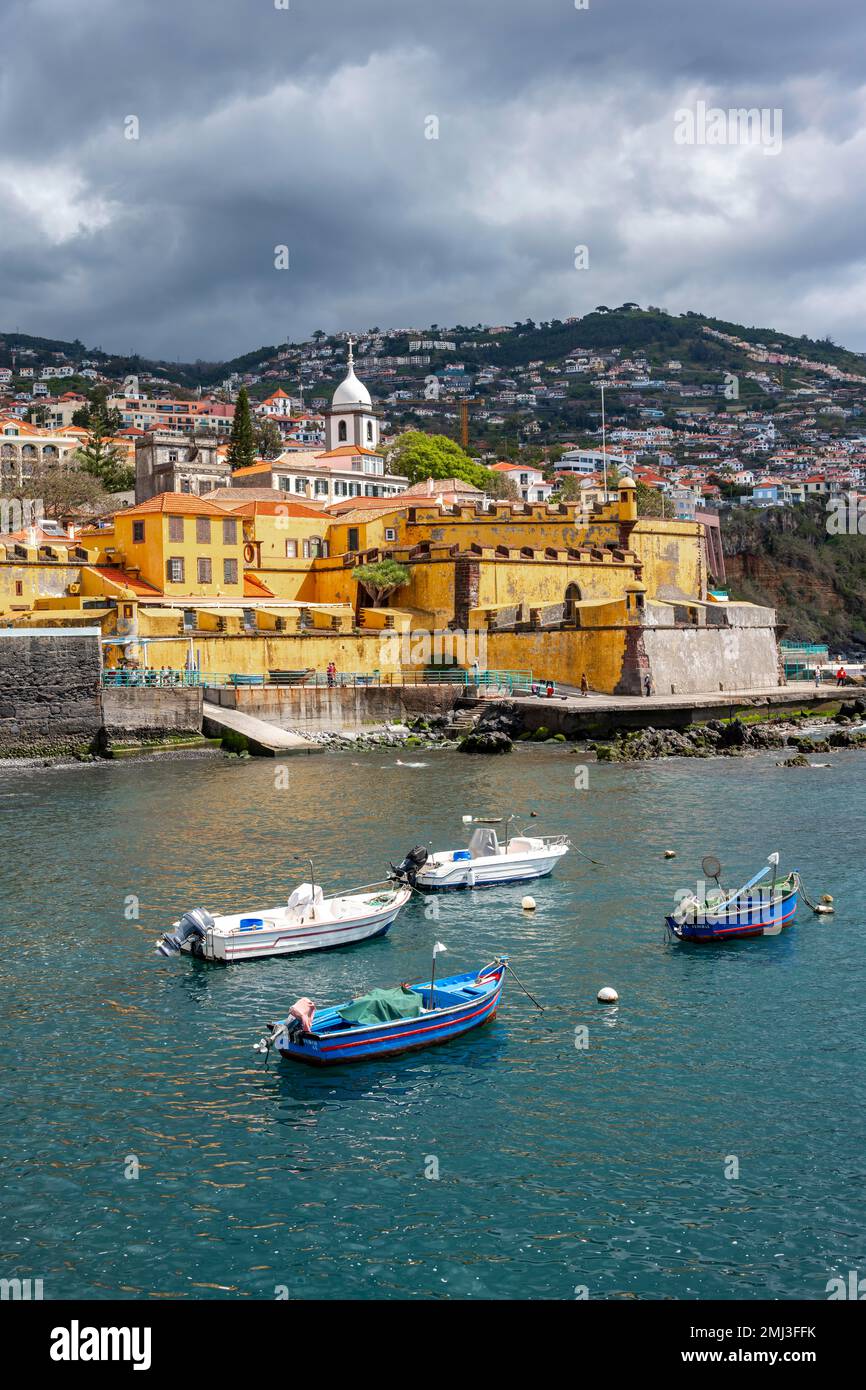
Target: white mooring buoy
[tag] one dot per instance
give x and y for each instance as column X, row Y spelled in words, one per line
column 670, row 854
column 608, row 995
column 528, row 904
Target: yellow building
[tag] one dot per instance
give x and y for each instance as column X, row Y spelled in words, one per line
column 252, row 587
column 185, row 546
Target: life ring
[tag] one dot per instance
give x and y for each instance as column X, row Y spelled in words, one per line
column 249, row 553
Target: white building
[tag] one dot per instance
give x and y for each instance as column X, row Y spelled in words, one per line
column 586, row 461
column 350, row 418
column 348, row 467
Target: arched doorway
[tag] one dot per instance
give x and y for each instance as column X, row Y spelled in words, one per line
column 572, row 599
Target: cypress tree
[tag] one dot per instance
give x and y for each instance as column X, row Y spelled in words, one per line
column 242, row 445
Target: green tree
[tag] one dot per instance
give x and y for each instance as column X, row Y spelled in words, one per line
column 269, row 441
column 650, row 501
column 502, row 485
column 381, row 579
column 568, row 487
column 102, row 457
column 242, row 445
column 419, row 456
column 67, row 491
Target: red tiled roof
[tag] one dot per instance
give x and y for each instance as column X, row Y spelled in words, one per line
column 370, row 504
column 259, row 507
column 119, row 576
column 176, row 504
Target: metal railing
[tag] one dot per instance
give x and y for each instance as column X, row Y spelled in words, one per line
column 484, row 681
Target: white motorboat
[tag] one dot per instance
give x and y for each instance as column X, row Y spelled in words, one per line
column 307, row 922
column 483, row 862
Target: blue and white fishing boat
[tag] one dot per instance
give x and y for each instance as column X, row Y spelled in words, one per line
column 386, row 1022
column 757, row 909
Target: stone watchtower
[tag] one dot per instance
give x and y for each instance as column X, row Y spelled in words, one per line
column 169, row 462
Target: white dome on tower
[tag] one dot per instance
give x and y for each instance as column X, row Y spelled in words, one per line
column 351, row 391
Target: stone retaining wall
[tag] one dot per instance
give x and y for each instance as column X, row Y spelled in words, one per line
column 49, row 691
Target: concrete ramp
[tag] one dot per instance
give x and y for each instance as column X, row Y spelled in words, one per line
column 266, row 740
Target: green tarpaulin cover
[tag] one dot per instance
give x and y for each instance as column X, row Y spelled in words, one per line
column 382, row 1006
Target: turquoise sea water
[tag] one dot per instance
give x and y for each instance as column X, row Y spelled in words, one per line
column 559, row 1168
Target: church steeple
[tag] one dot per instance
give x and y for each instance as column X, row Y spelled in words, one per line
column 351, row 418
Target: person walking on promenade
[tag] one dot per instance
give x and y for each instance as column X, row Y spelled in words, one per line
column 584, row 685
column 647, row 685
column 332, row 673
column 841, row 676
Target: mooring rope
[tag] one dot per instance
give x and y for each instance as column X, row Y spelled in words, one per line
column 523, row 987
column 816, row 907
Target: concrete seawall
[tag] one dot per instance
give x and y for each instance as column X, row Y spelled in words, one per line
column 602, row 717
column 141, row 713
column 318, row 708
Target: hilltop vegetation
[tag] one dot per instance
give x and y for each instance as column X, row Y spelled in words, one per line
column 659, row 335
column 784, row 557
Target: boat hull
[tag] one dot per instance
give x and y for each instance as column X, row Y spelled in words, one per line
column 483, row 873
column 406, row 1035
column 739, row 920
column 279, row 935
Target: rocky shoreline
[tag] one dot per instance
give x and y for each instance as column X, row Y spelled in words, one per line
column 499, row 727
column 734, row 738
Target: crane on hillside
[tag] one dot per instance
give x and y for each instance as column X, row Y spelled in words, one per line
column 463, row 408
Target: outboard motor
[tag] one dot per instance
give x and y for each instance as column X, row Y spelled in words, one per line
column 193, row 924
column 415, row 860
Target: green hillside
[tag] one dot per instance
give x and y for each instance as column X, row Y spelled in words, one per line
column 784, row 557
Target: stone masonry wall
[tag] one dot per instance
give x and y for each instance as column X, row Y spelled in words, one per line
column 49, row 691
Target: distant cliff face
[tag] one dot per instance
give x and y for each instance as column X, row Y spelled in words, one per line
column 784, row 557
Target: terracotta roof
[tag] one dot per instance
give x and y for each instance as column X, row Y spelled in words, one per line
column 374, row 504
column 253, row 468
column 237, row 496
column 176, row 504
column 268, row 507
column 445, row 486
column 119, row 576
column 346, row 451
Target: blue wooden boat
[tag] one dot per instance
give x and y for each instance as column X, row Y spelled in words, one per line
column 456, row 1004
column 757, row 909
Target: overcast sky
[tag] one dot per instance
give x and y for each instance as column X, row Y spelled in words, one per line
column 307, row 127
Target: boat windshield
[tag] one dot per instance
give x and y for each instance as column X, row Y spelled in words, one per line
column 483, row 843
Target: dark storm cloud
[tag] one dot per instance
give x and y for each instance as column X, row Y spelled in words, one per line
column 305, row 127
